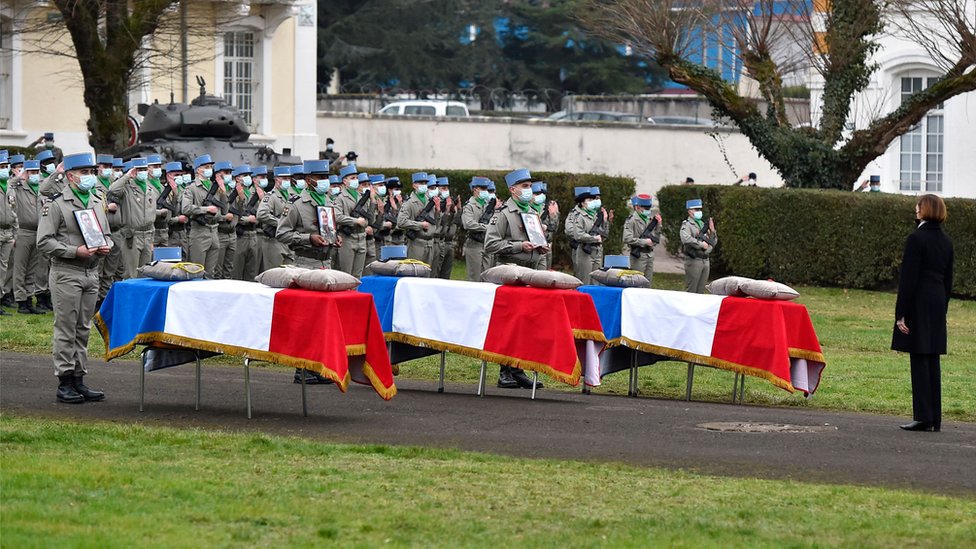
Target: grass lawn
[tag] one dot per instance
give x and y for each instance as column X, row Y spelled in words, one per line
column 106, row 485
column 854, row 327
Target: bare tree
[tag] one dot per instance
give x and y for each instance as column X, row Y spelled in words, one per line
column 842, row 40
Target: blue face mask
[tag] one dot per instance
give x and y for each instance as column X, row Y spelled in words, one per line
column 157, row 173
column 49, row 168
column 334, row 191
column 207, row 173
column 34, row 178
column 87, row 182
column 698, row 214
column 285, row 185
column 594, row 205
column 246, row 181
column 322, row 186
column 228, row 180
column 483, row 195
column 380, row 191
column 4, row 173
column 445, row 194
column 539, row 198
column 300, row 184
column 525, row 195
column 105, row 173
column 142, row 176
column 421, row 189
column 263, row 183
column 354, row 184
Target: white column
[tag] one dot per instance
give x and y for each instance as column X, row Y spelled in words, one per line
column 306, row 141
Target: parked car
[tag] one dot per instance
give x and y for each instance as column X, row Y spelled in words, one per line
column 590, row 116
column 426, row 107
column 682, row 121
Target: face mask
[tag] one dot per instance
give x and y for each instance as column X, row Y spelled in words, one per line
column 105, row 173
column 421, row 189
column 49, row 168
column 4, row 173
column 335, row 190
column 875, row 189
column 322, row 186
column 698, row 215
column 230, row 183
column 539, row 198
column 396, row 192
column 525, row 195
column 263, row 183
column 142, row 176
column 207, row 173
column 285, row 185
column 594, row 205
column 228, row 179
column 483, row 195
column 49, row 146
column 445, row 194
column 86, row 182
column 381, row 191
column 157, row 173
column 300, row 184
column 117, row 174
column 34, row 178
column 328, row 147
column 354, row 185
column 246, row 181
column 493, row 196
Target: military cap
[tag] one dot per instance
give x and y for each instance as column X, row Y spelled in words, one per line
column 298, row 169
column 48, row 136
column 419, row 177
column 491, row 186
column 351, row 169
column 259, row 170
column 138, row 162
column 694, row 204
column 173, row 167
column 643, row 200
column 116, row 162
column 127, row 165
column 43, row 155
column 3, row 157
column 363, row 177
column 282, row 171
column 393, row 252
column 377, row 179
column 101, row 159
column 616, row 262
column 478, row 181
column 582, row 193
column 79, row 161
column 334, row 180
column 223, row 166
column 202, row 160
column 32, row 164
column 537, row 187
column 393, row 183
column 431, row 180
column 16, row 159
column 517, row 176
column 595, row 191
column 154, row 159
column 242, row 170
column 316, row 166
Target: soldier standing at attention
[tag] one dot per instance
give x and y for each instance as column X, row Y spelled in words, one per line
column 507, row 239
column 548, row 214
column 419, row 234
column 395, row 236
column 112, row 267
column 204, row 243
column 352, row 253
column 52, row 179
column 447, row 229
column 227, row 226
column 381, row 225
column 30, row 270
column 697, row 242
column 246, row 259
column 176, row 222
column 161, row 223
column 639, row 247
column 471, row 214
column 274, row 206
column 8, row 228
column 298, row 182
column 136, row 198
column 74, row 275
column 585, row 241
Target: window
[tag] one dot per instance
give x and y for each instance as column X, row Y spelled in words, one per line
column 238, row 73
column 419, row 110
column 453, row 110
column 392, row 109
column 921, row 147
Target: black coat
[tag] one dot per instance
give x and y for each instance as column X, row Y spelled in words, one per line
column 923, row 291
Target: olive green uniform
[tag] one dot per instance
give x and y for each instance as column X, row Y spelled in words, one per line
column 505, row 236
column 8, row 230
column 274, row 206
column 420, row 241
column 30, row 276
column 352, row 253
column 447, row 228
column 299, row 223
column 696, row 256
column 475, row 261
column 634, row 227
column 246, row 260
column 161, row 223
column 579, row 222
column 550, row 225
column 112, row 264
column 137, row 207
column 204, row 243
column 227, row 238
column 74, row 281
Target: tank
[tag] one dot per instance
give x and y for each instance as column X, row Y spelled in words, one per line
column 208, row 125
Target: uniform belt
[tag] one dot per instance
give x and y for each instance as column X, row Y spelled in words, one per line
column 247, row 228
column 62, row 264
column 228, row 230
column 28, row 229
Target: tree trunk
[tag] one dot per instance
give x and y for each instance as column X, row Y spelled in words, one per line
column 106, row 99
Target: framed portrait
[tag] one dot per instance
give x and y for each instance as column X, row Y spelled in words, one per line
column 533, row 228
column 327, row 224
column 91, row 229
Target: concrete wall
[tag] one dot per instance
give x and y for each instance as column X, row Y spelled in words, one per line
column 798, row 110
column 654, row 155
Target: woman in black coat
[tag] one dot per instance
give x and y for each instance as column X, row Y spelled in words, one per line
column 920, row 312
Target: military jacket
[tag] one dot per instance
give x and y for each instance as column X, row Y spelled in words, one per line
column 634, row 227
column 58, row 233
column 505, row 235
column 409, row 211
column 690, row 245
column 192, row 204
column 136, row 206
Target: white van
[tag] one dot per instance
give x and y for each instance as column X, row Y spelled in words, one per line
column 426, row 107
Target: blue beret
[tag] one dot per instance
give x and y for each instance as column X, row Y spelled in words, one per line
column 138, row 162
column 479, row 182
column 223, row 166
column 537, row 188
column 43, row 155
column 297, row 170
column 581, row 192
column 419, row 177
column 18, row 159
column 595, row 191
column 443, row 182
column 173, row 167
column 616, row 262
column 201, row 160
column 282, row 171
column 334, row 180
column 116, row 162
column 317, row 166
column 491, row 186
column 363, row 177
column 79, row 161
column 517, row 176
column 3, row 157
column 376, row 179
column 393, row 252
column 351, row 169
column 693, row 204
column 152, row 159
column 32, row 164
column 431, row 180
column 241, row 170
column 260, row 170
column 101, row 159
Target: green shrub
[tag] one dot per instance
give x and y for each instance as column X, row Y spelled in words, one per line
column 28, row 152
column 616, row 193
column 822, row 237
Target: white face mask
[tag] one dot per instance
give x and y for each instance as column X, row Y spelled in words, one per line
column 142, row 175
column 246, row 181
column 228, row 179
column 4, row 173
column 207, row 173
column 335, row 190
column 49, row 168
column 105, row 173
column 483, row 195
column 525, row 195
column 263, row 182
column 322, row 186
column 594, row 205
column 492, row 196
column 285, row 185
column 354, row 184
column 397, row 192
column 117, row 174
column 445, row 194
column 87, row 182
column 157, row 172
column 421, row 189
column 381, row 191
column 539, row 198
column 34, row 178
column 230, row 183
column 698, row 214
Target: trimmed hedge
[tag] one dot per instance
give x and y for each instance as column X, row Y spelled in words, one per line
column 820, row 237
column 616, row 193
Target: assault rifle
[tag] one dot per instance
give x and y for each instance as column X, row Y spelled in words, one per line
column 358, row 211
column 211, row 198
column 648, row 233
column 486, row 215
column 424, row 215
column 704, row 230
column 594, row 230
column 250, row 208
column 162, row 203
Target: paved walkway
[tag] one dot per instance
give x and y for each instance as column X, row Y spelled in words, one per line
column 854, row 448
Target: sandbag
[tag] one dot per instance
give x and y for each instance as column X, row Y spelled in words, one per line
column 326, row 280
column 730, row 285
column 621, row 278
column 550, row 280
column 769, row 289
column 159, row 270
column 508, row 274
column 400, row 267
column 280, row 277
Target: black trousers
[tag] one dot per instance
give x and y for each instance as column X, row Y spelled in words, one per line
column 926, row 388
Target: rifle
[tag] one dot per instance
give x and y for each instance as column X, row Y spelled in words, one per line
column 211, row 198
column 486, row 215
column 594, row 230
column 648, row 230
column 358, row 211
column 704, row 231
column 232, row 204
column 424, row 215
column 162, row 203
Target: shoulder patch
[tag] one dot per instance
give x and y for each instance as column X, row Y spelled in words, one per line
column 45, row 209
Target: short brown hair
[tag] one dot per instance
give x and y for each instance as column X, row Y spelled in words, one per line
column 931, row 208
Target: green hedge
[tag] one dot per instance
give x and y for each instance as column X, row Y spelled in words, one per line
column 616, row 193
column 29, row 152
column 822, row 237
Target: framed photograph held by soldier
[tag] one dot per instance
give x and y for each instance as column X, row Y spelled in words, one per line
column 91, row 229
column 327, row 225
column 533, row 228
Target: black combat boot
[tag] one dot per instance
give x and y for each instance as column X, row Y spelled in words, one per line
column 3, row 312
column 7, row 300
column 89, row 394
column 311, row 378
column 44, row 302
column 26, row 308
column 67, row 392
column 523, row 380
column 505, row 379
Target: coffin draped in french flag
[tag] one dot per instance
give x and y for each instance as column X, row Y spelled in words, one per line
column 773, row 340
column 336, row 334
column 555, row 332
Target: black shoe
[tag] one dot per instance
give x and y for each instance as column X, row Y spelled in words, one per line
column 918, row 426
column 26, row 308
column 67, row 392
column 523, row 380
column 7, row 300
column 44, row 302
column 4, row 313
column 98, row 304
column 311, row 378
column 89, row 394
column 505, row 379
